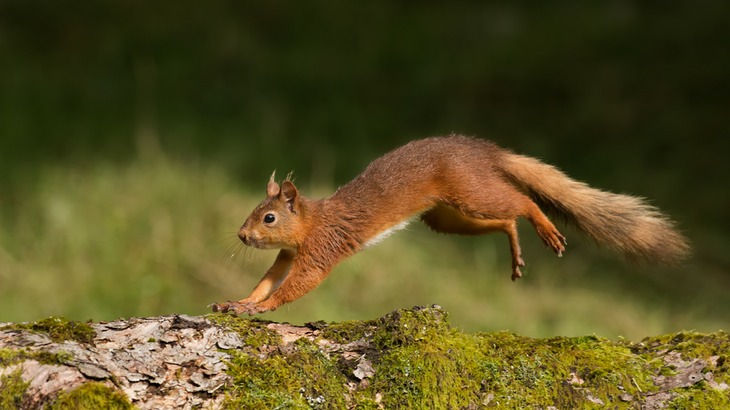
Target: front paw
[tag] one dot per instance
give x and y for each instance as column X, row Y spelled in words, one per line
column 222, row 307
column 238, row 308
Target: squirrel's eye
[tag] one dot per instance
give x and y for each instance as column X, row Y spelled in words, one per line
column 269, row 218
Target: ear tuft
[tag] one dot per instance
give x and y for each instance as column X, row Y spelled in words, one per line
column 288, row 193
column 272, row 188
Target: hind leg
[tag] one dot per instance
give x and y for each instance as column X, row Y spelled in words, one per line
column 446, row 219
column 546, row 230
column 514, row 245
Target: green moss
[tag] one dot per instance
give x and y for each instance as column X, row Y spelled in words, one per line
column 346, row 332
column 689, row 344
column 304, row 378
column 58, row 329
column 425, row 375
column 699, row 398
column 91, row 396
column 713, row 348
column 428, row 364
column 253, row 331
column 424, row 362
column 406, row 326
column 8, row 356
column 420, row 361
column 564, row 372
column 12, row 389
column 12, row 356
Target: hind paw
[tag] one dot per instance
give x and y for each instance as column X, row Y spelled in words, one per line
column 516, row 264
column 554, row 240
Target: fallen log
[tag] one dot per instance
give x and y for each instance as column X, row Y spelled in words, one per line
column 410, row 358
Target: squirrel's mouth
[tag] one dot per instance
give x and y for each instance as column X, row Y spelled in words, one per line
column 247, row 239
column 262, row 243
column 254, row 242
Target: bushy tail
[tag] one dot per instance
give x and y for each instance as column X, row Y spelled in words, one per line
column 625, row 223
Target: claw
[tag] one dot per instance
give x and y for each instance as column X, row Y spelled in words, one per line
column 223, row 307
column 517, row 262
column 238, row 308
column 516, row 273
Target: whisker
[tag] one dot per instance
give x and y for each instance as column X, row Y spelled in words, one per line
column 232, row 239
column 230, row 256
column 227, row 259
column 249, row 254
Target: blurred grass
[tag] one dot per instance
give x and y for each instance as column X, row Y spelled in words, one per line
column 157, row 236
column 135, row 136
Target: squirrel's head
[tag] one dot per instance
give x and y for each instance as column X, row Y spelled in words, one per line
column 275, row 223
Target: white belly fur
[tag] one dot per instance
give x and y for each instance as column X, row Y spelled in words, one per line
column 386, row 233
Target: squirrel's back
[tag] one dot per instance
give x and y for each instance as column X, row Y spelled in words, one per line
column 422, row 167
column 413, row 178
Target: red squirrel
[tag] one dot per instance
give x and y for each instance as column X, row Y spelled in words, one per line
column 456, row 184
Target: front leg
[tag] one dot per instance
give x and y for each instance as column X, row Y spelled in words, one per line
column 300, row 281
column 303, row 276
column 266, row 286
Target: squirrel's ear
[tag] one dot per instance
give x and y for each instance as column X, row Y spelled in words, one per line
column 272, row 189
column 288, row 193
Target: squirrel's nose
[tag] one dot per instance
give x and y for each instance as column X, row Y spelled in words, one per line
column 242, row 235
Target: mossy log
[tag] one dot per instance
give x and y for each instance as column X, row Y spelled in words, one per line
column 407, row 359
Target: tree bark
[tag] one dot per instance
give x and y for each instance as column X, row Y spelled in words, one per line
column 408, row 358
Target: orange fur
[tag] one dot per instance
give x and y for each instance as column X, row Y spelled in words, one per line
column 457, row 185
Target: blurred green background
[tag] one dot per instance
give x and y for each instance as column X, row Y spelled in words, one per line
column 135, row 137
